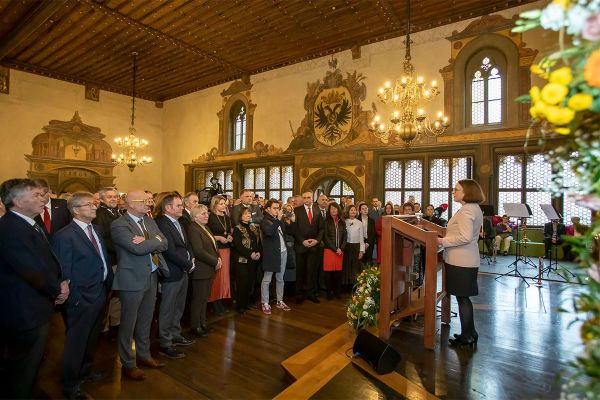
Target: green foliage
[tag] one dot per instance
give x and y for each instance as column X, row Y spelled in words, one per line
column 363, row 308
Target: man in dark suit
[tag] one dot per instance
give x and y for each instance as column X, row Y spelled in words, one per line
column 84, row 260
column 375, row 211
column 30, row 286
column 174, row 288
column 308, row 235
column 139, row 244
column 106, row 213
column 553, row 232
column 246, row 202
column 190, row 200
column 55, row 214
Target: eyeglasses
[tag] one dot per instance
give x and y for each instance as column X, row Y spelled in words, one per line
column 90, row 205
column 147, row 202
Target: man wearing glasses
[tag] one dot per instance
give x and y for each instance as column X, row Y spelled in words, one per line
column 139, row 244
column 84, row 259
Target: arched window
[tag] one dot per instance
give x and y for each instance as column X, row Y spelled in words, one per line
column 485, row 89
column 237, row 126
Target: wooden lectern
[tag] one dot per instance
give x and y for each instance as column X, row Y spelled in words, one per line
column 398, row 299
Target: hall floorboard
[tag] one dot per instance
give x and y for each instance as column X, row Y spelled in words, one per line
column 524, row 343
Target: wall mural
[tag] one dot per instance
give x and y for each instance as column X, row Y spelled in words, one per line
column 334, row 115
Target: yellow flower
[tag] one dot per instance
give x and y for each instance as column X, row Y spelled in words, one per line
column 562, row 76
column 562, row 131
column 580, row 101
column 559, row 115
column 562, row 3
column 539, row 110
column 534, row 92
column 553, row 93
column 536, row 69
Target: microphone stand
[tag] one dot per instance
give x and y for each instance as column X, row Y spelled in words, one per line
column 515, row 270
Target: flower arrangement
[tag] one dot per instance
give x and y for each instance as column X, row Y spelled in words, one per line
column 569, row 104
column 363, row 308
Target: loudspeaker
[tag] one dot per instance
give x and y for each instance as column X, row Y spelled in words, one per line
column 382, row 357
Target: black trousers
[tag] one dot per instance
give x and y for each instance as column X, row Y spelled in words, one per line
column 244, row 279
column 83, row 321
column 22, row 354
column 200, row 292
column 307, row 268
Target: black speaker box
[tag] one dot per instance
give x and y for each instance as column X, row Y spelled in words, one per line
column 382, row 357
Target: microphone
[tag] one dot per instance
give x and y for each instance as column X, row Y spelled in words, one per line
column 438, row 211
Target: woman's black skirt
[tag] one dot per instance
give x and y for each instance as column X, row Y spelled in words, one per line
column 352, row 264
column 461, row 281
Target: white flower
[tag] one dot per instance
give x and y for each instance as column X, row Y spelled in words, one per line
column 576, row 17
column 365, row 314
column 553, row 17
column 365, row 306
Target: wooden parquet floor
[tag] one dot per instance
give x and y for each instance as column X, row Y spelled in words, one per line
column 524, row 343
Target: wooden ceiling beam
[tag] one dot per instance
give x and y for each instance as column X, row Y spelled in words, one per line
column 160, row 35
column 39, row 14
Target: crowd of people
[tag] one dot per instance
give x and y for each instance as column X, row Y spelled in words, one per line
column 112, row 262
column 120, row 262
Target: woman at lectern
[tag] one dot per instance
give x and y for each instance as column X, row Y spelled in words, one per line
column 461, row 256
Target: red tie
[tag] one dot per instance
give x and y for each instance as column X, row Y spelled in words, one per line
column 93, row 239
column 47, row 222
column 309, row 215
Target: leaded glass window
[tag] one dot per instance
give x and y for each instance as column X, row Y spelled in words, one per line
column 340, row 189
column 224, row 178
column 270, row 182
column 570, row 209
column 444, row 173
column 524, row 179
column 237, row 126
column 486, row 94
column 403, row 178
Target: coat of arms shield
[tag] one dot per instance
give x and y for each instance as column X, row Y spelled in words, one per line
column 332, row 115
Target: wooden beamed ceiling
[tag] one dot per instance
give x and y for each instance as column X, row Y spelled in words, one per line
column 188, row 45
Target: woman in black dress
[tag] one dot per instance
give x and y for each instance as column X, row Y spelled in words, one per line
column 245, row 253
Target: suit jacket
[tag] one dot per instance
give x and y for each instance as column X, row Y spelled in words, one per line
column 375, row 213
column 179, row 254
column 462, row 235
column 185, row 220
column 205, row 252
column 305, row 229
column 133, row 260
column 560, row 230
column 271, row 257
column 104, row 217
column 60, row 217
column 30, row 276
column 82, row 264
column 257, row 213
column 371, row 234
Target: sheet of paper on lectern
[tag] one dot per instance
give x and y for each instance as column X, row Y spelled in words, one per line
column 516, row 210
column 549, row 211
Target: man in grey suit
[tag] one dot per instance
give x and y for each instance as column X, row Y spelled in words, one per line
column 138, row 242
column 246, row 202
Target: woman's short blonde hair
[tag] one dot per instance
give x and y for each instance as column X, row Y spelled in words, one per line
column 197, row 210
column 214, row 201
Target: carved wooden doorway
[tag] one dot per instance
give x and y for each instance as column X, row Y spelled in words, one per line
column 335, row 183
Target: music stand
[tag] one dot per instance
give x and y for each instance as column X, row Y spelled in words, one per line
column 518, row 211
column 552, row 214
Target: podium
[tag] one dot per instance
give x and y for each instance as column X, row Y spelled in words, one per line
column 398, row 299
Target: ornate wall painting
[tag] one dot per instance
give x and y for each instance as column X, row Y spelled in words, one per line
column 334, row 117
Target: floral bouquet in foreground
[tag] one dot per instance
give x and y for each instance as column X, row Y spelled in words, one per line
column 569, row 104
column 363, row 307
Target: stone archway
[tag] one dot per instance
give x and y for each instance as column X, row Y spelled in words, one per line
column 315, row 179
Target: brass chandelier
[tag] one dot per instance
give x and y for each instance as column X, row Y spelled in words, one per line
column 130, row 145
column 407, row 122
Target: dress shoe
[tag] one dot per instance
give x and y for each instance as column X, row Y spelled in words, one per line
column 150, row 362
column 314, row 299
column 461, row 341
column 183, row 342
column 505, row 253
column 94, row 376
column 171, row 352
column 206, row 328
column 135, row 374
column 199, row 332
column 75, row 394
column 475, row 337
